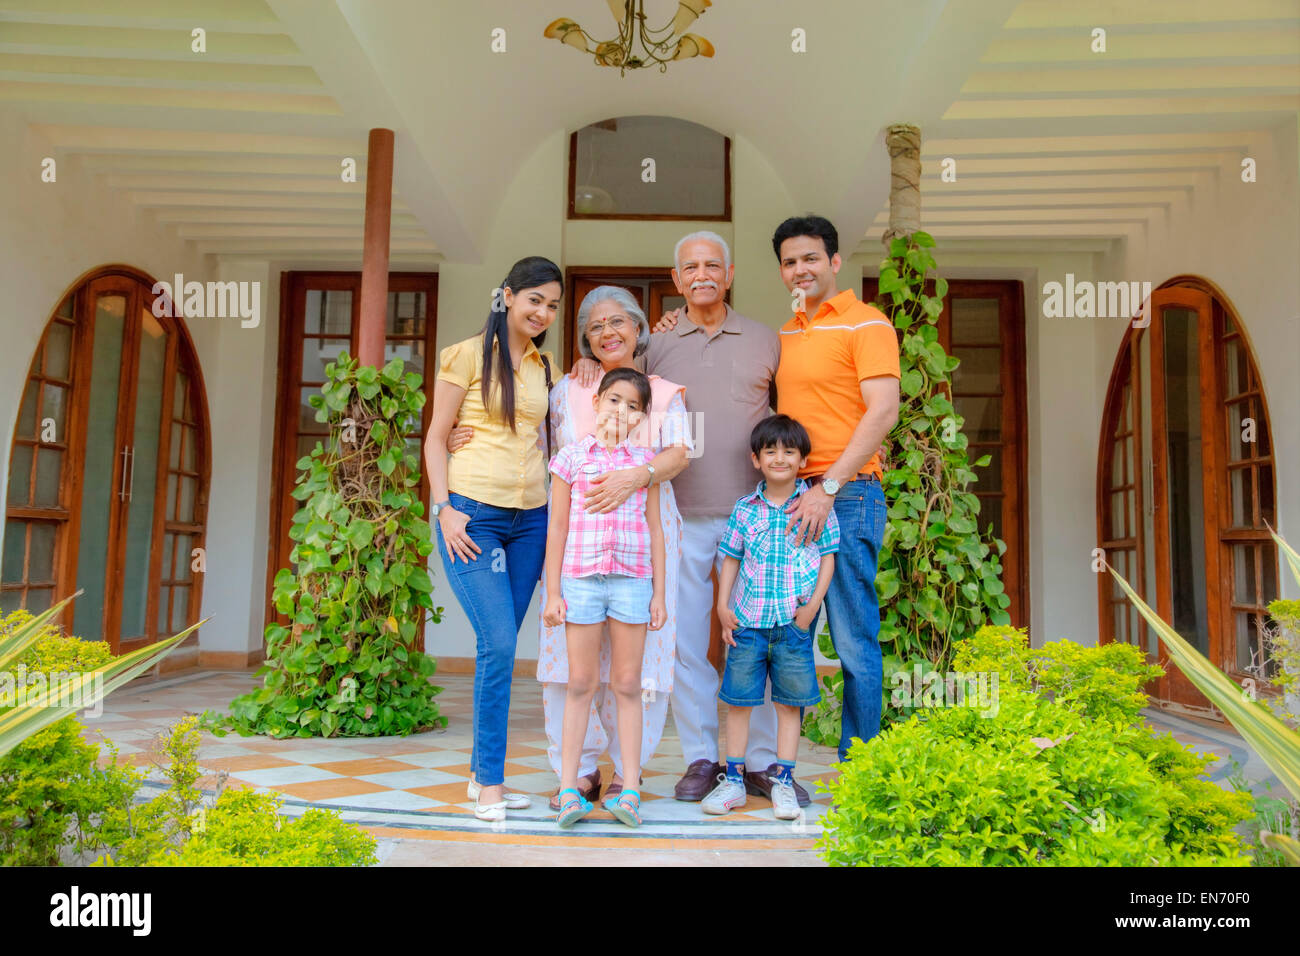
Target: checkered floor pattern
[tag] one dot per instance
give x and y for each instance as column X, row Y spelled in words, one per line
column 420, row 781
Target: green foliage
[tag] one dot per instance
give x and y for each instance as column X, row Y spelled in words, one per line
column 53, row 793
column 939, row 578
column 242, row 828
column 1283, row 647
column 1063, row 773
column 1272, row 814
column 347, row 664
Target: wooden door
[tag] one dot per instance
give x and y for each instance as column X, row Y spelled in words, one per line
column 319, row 317
column 982, row 323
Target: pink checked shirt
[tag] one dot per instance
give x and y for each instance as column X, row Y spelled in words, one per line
column 614, row 543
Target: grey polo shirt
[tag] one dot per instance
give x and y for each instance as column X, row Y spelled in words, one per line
column 730, row 380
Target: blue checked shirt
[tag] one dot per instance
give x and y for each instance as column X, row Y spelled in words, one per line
column 776, row 576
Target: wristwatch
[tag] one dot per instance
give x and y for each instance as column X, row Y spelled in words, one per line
column 651, row 480
column 438, row 506
column 830, row 486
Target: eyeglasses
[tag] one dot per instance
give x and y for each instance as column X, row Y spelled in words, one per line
column 615, row 323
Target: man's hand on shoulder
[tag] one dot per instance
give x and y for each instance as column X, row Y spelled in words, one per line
column 668, row 321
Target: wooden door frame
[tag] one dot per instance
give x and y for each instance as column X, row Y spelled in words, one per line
column 601, row 275
column 294, row 285
column 1011, row 317
column 1174, row 687
column 136, row 286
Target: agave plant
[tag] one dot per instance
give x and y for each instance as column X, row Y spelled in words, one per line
column 1276, row 743
column 43, row 705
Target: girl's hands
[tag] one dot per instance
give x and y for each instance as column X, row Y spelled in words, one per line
column 729, row 623
column 553, row 613
column 658, row 612
column 453, row 524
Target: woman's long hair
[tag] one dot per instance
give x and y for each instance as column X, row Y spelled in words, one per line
column 527, row 273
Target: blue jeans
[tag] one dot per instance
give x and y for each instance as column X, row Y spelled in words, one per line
column 784, row 653
column 495, row 590
column 854, row 611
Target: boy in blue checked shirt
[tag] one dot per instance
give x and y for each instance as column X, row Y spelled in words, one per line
column 768, row 623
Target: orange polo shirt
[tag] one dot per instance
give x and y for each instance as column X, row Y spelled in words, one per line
column 822, row 361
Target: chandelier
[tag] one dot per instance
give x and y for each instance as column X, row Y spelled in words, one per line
column 637, row 45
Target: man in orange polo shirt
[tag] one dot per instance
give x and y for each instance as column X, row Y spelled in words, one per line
column 838, row 376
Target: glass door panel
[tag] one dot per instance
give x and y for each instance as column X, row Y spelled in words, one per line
column 140, row 486
column 102, row 470
column 1185, row 483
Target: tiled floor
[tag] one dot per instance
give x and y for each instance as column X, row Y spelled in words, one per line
column 419, row 781
column 411, row 791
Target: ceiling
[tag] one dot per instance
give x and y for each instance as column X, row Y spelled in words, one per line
column 238, row 149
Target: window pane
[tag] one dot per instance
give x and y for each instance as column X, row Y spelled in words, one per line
column 10, row 601
column 65, row 307
column 163, row 615
column 975, row 321
column 1117, row 464
column 328, row 312
column 983, row 416
column 1243, row 498
column 179, row 388
column 405, row 313
column 40, row 559
column 27, row 413
column 988, row 478
column 980, row 371
column 181, row 565
column 53, row 405
column 188, row 458
column 410, row 351
column 1117, row 516
column 20, row 475
column 1235, row 362
column 689, row 160
column 990, row 514
column 165, row 567
column 174, row 452
column 306, row 414
column 58, row 350
column 49, row 466
column 15, row 550
column 317, row 353
column 1238, row 412
column 1243, row 573
column 1268, row 574
column 1267, row 512
column 180, row 608
column 39, row 599
column 186, row 510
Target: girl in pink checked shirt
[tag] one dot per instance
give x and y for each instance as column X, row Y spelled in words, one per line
column 604, row 566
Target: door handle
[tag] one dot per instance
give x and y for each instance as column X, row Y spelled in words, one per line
column 128, row 462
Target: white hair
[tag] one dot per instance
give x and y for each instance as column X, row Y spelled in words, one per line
column 612, row 293
column 708, row 237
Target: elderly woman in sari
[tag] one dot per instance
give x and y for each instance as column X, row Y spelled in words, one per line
column 612, row 330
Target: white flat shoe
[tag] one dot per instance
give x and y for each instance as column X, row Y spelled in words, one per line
column 493, row 812
column 513, row 801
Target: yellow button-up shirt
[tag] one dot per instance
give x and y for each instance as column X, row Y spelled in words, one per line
column 498, row 467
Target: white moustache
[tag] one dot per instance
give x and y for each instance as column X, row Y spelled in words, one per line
column 706, row 284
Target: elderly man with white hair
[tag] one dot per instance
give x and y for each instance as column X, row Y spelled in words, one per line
column 728, row 364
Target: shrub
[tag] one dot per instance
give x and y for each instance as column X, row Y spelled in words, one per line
column 1061, row 773
column 53, row 794
column 241, row 828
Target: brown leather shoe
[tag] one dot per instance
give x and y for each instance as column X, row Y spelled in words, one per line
column 760, row 785
column 700, row 778
column 591, row 791
column 616, row 787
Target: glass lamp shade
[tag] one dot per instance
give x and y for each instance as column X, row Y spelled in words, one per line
column 592, row 200
column 687, row 13
column 566, row 31
column 691, row 45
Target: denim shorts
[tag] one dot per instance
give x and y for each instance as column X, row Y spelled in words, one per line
column 592, row 599
column 784, row 653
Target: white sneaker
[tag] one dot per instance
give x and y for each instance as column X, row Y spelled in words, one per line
column 726, row 796
column 785, row 803
column 513, row 801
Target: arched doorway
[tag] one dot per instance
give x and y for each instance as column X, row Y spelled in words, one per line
column 109, row 468
column 1186, row 488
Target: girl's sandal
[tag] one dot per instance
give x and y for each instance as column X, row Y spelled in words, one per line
column 626, row 807
column 573, row 808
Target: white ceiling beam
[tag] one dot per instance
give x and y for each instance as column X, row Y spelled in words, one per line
column 1055, row 107
column 101, row 95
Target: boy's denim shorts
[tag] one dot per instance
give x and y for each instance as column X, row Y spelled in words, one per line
column 784, row 653
column 592, row 599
